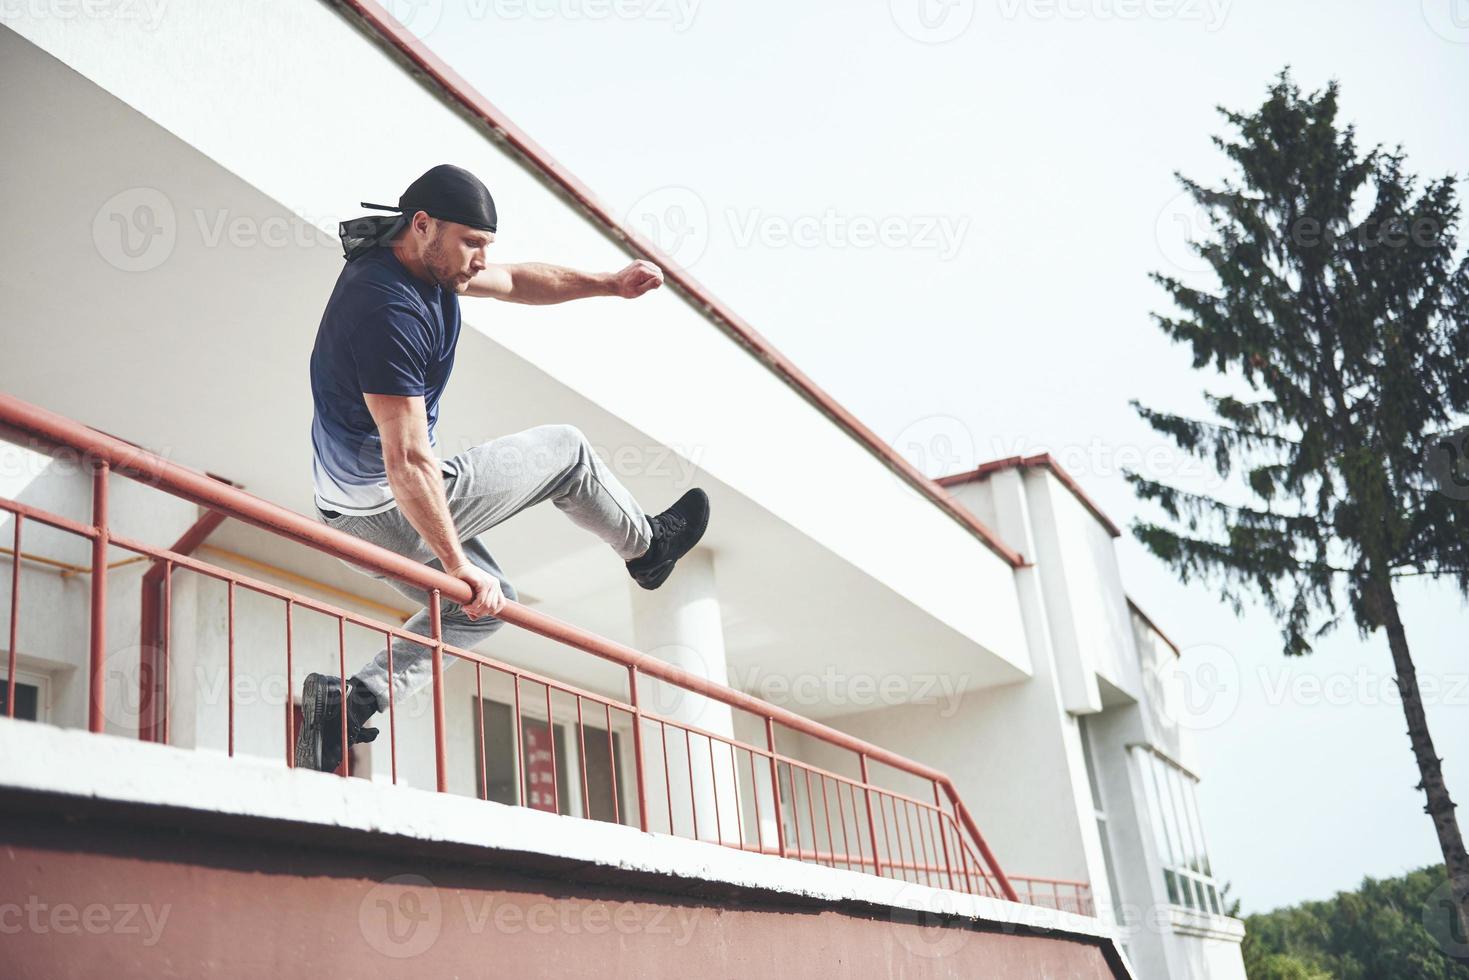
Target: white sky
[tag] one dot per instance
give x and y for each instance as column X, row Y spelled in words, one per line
column 1023, row 168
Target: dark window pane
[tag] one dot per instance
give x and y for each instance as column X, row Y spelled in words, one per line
column 27, row 699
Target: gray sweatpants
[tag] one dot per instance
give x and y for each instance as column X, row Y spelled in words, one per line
column 494, row 481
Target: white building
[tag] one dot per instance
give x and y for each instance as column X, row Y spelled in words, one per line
column 171, row 180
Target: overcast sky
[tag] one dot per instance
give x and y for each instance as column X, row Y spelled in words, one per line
column 945, row 211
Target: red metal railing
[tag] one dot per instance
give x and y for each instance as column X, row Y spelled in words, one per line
column 786, row 807
column 1055, row 893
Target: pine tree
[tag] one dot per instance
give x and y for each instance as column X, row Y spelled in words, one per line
column 1342, row 309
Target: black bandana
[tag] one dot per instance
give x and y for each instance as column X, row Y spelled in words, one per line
column 446, row 192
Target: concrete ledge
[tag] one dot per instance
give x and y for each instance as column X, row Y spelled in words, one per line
column 1204, row 925
column 48, row 767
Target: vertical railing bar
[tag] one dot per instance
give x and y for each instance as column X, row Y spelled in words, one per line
column 342, row 674
column 667, row 774
column 857, row 826
column 96, row 691
column 479, row 724
column 714, row 785
column 581, row 737
column 14, row 619
column 637, row 747
column 929, row 865
column 912, row 859
column 897, row 834
column 688, row 752
column 167, row 696
column 939, row 846
column 964, row 861
column 811, row 813
column 846, row 842
column 871, row 824
column 612, row 754
column 963, row 853
column 938, row 803
column 952, row 816
column 831, row 844
column 755, row 797
column 908, row 808
column 734, row 779
column 290, row 681
column 230, row 679
column 393, row 710
column 795, row 810
column 441, row 755
column 780, row 828
column 887, row 831
column 521, row 784
column 551, row 741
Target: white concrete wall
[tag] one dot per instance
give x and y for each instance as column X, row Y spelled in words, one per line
column 290, row 131
column 54, row 612
column 1165, row 942
column 1160, row 715
column 1090, row 621
column 1044, row 741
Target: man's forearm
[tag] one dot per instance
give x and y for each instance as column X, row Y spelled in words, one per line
column 538, row 283
column 418, row 488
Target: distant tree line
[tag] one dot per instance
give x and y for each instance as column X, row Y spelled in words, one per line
column 1390, row 929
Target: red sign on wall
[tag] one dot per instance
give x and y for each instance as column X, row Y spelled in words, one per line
column 540, row 769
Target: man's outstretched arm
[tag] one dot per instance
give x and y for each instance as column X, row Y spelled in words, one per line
column 539, row 284
column 417, row 482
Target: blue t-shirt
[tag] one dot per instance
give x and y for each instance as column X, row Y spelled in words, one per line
column 384, row 332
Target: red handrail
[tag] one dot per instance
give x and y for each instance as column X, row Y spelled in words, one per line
column 108, row 453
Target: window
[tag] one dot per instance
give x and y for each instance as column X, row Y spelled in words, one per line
column 31, row 696
column 602, row 784
column 1100, row 811
column 1174, row 811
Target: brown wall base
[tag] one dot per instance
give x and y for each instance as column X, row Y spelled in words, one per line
column 98, row 894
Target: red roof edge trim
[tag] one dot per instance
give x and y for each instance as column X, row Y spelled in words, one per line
column 1038, row 461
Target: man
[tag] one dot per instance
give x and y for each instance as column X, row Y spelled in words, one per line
column 383, row 355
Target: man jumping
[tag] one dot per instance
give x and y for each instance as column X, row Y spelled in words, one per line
column 383, row 354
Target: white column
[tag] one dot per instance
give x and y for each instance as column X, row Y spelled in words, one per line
column 680, row 623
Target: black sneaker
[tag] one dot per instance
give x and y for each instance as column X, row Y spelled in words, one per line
column 675, row 532
column 319, row 742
